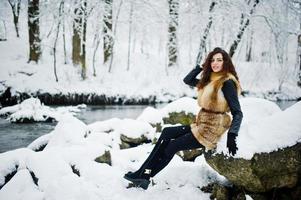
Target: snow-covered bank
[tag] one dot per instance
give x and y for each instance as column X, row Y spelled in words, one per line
column 75, row 145
column 146, row 83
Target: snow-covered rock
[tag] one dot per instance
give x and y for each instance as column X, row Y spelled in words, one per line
column 32, row 110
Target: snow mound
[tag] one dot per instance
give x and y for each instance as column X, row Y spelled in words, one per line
column 272, row 130
column 32, row 110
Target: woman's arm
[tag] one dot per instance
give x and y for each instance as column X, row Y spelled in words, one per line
column 190, row 77
column 230, row 93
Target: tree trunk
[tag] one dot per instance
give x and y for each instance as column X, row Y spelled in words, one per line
column 172, row 44
column 299, row 60
column 203, row 40
column 64, row 35
column 79, row 36
column 249, row 48
column 107, row 31
column 299, row 50
column 56, row 38
column 34, row 31
column 130, row 37
column 242, row 29
column 114, row 33
column 83, row 50
column 15, row 6
column 76, row 38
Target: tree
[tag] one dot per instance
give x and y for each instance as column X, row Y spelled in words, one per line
column 107, row 30
column 130, row 36
column 249, row 47
column 205, row 34
column 15, row 6
column 79, row 36
column 60, row 18
column 244, row 23
column 114, row 33
column 299, row 58
column 34, row 31
column 172, row 43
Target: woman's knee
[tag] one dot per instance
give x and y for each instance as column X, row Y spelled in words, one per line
column 171, row 149
column 165, row 133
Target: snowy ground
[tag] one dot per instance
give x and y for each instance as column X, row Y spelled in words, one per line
column 73, row 143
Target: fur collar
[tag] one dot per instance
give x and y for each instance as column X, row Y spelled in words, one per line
column 211, row 97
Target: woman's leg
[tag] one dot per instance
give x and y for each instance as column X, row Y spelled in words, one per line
column 174, row 132
column 184, row 142
column 166, row 136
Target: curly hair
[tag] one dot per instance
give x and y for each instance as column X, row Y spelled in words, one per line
column 228, row 67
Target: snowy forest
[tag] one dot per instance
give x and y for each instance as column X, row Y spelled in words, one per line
column 106, row 52
column 87, row 88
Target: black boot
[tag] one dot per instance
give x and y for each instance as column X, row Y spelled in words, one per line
column 139, row 179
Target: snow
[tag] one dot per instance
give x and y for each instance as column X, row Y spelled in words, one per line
column 74, row 144
column 21, row 187
column 265, row 127
column 33, row 109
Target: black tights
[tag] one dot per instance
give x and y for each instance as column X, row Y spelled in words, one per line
column 172, row 140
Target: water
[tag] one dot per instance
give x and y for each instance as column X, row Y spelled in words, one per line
column 14, row 136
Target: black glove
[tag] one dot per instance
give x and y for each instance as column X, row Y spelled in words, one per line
column 199, row 66
column 231, row 143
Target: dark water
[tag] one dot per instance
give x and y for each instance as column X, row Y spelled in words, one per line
column 13, row 136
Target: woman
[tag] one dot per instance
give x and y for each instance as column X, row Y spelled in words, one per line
column 218, row 91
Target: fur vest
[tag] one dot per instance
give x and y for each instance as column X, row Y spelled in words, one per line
column 213, row 120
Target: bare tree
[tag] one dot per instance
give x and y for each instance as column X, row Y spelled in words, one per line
column 130, row 36
column 15, row 6
column 244, row 23
column 64, row 32
column 107, row 30
column 295, row 5
column 172, row 43
column 114, row 34
column 34, row 30
column 299, row 58
column 205, row 34
column 3, row 33
column 249, row 47
column 79, row 36
column 60, row 18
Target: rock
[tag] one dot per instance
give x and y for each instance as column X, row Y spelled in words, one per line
column 179, row 118
column 158, row 126
column 190, row 155
column 105, row 158
column 127, row 142
column 220, row 192
column 265, row 171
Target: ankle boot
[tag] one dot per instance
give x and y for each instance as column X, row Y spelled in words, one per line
column 139, row 179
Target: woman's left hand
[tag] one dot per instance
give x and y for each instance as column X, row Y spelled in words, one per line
column 231, row 143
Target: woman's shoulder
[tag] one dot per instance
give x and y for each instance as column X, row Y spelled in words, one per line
column 232, row 82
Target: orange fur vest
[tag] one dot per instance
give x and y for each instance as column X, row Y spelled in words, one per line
column 213, row 120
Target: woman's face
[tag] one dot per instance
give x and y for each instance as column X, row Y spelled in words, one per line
column 217, row 62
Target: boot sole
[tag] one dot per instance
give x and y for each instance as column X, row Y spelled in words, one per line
column 143, row 183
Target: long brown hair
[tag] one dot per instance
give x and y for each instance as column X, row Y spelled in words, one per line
column 228, row 67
